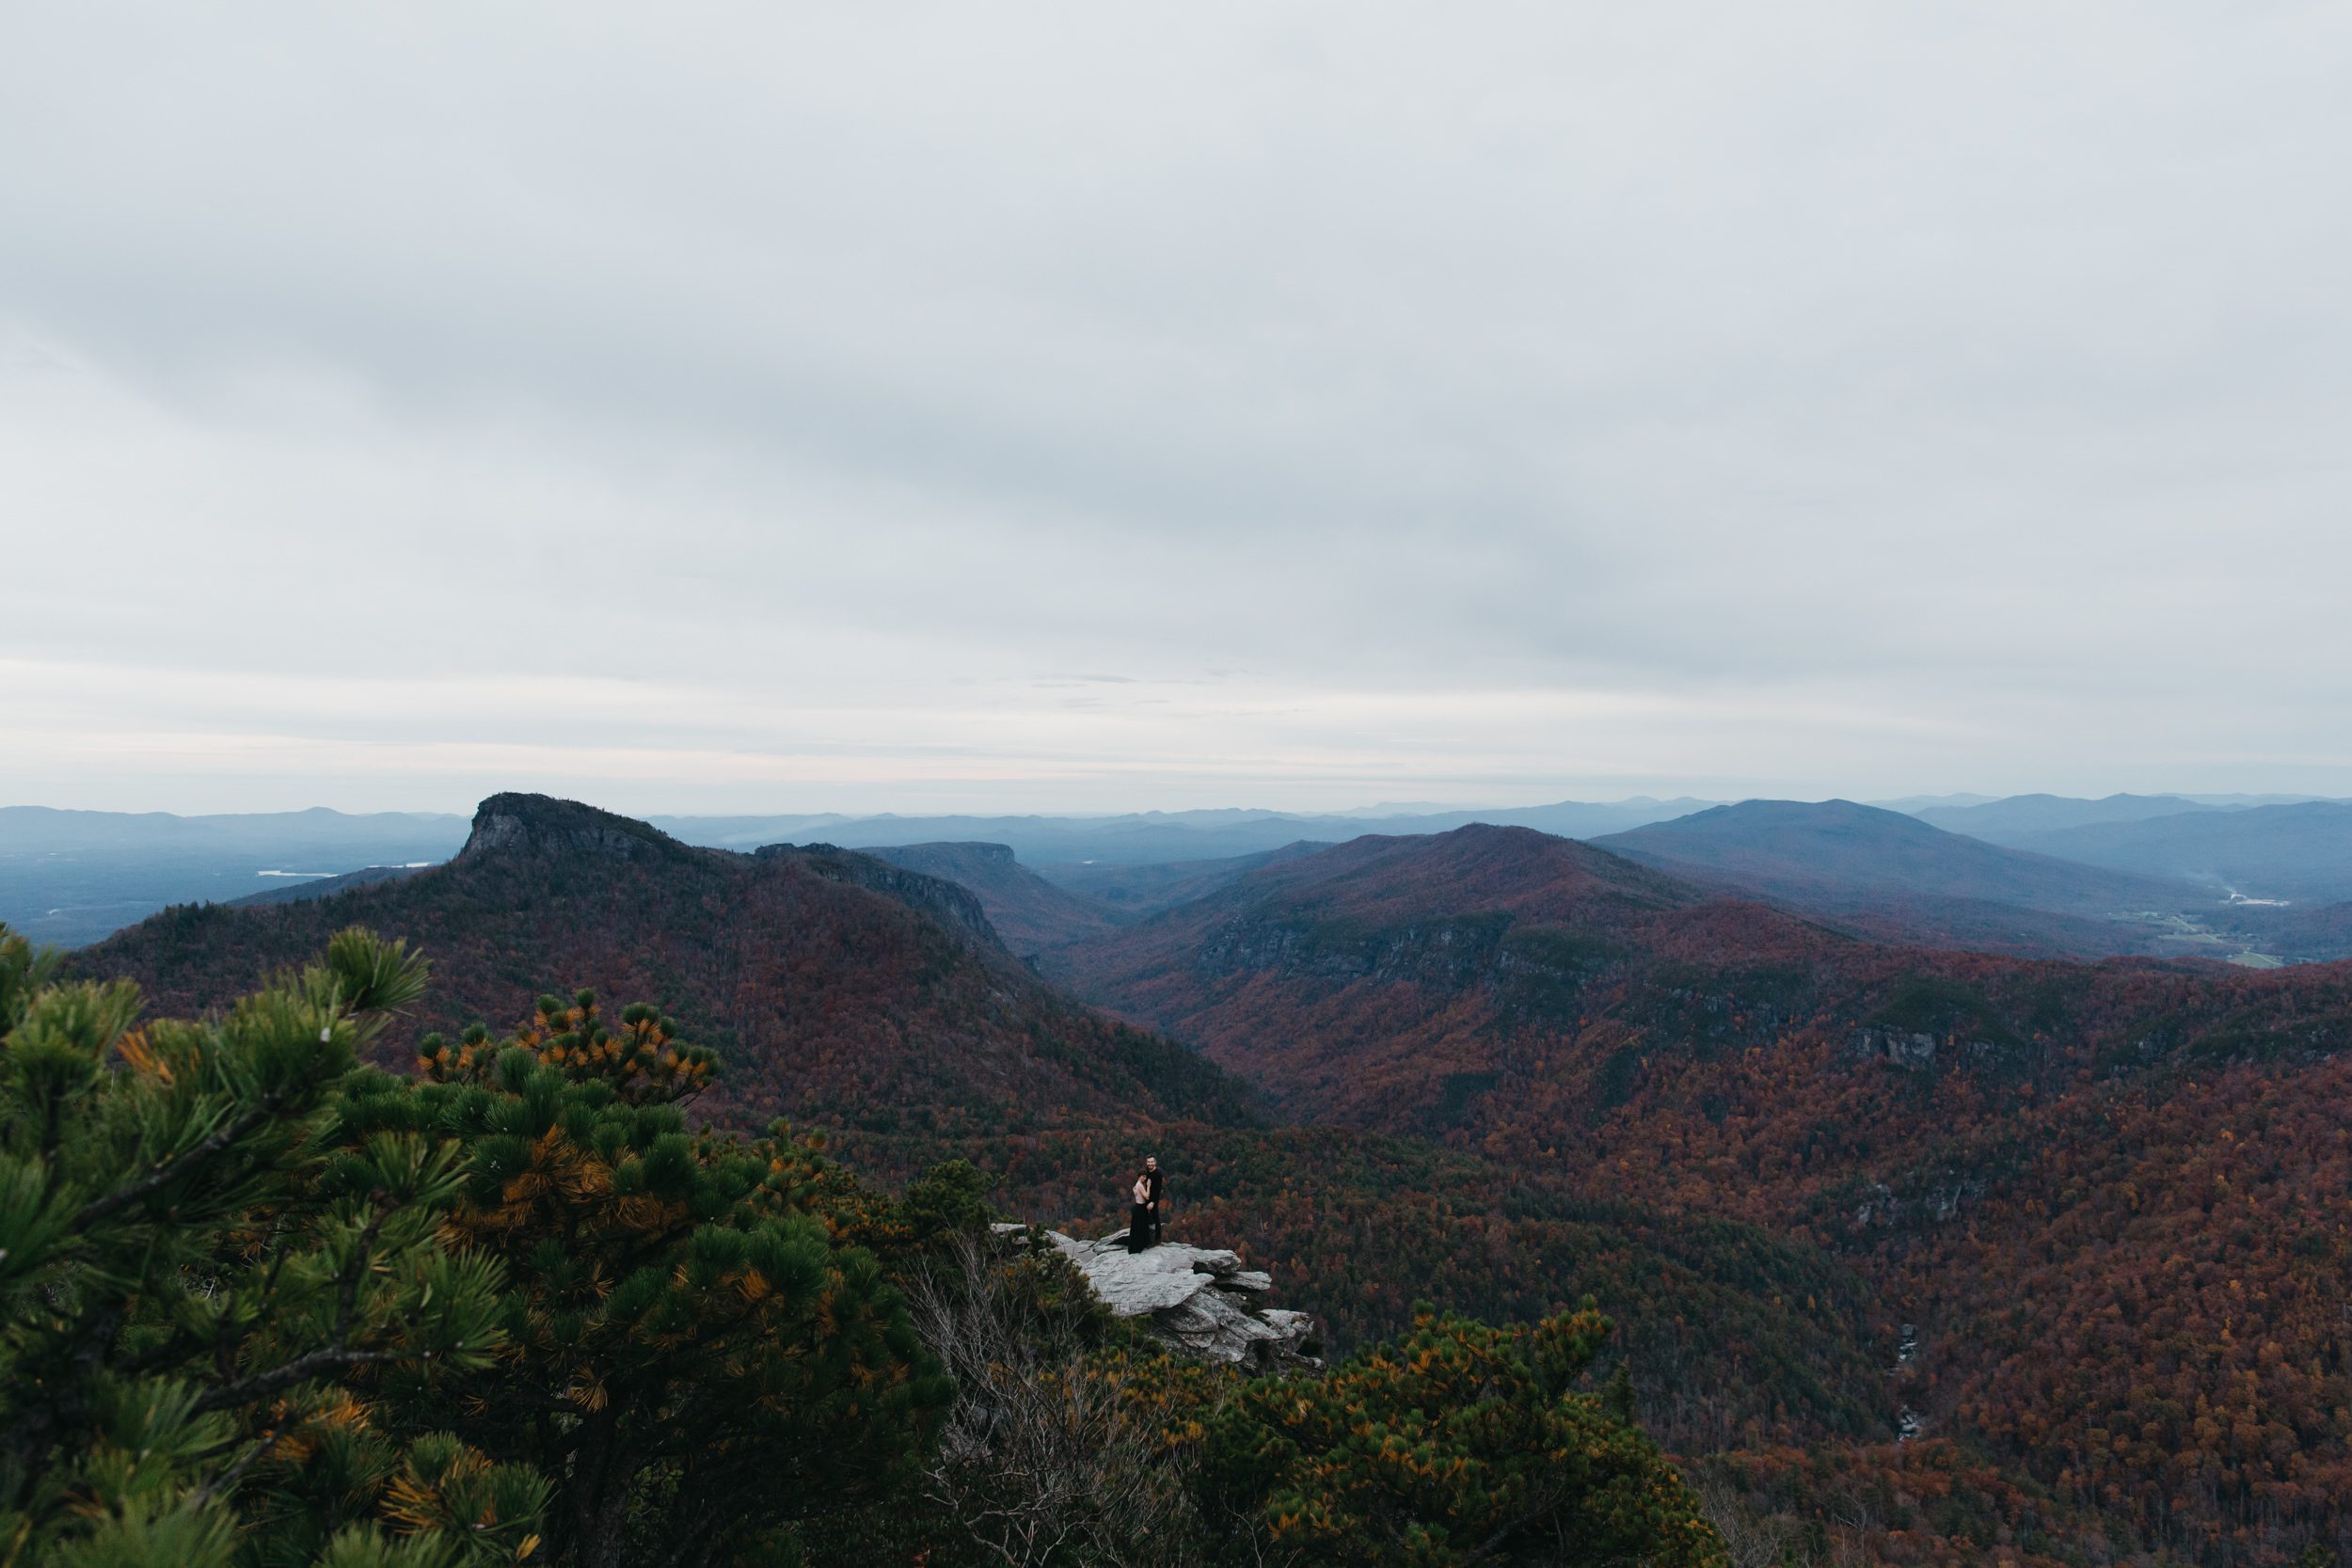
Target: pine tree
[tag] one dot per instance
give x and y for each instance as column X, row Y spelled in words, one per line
column 195, row 1259
column 1459, row 1442
column 690, row 1346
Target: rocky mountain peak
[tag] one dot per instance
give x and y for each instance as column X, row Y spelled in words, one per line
column 541, row 824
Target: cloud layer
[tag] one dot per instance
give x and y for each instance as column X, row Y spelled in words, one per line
column 928, row 407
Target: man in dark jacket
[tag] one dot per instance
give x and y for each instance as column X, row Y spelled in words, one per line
column 1151, row 1199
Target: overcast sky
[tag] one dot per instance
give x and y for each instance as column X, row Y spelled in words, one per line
column 1010, row 407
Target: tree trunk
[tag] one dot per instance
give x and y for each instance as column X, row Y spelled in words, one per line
column 601, row 1477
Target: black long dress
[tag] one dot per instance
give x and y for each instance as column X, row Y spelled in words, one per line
column 1139, row 1227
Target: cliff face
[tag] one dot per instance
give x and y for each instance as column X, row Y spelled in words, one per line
column 954, row 907
column 1030, row 913
column 541, row 825
column 518, row 826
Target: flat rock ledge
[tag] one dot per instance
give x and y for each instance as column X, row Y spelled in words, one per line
column 1198, row 1298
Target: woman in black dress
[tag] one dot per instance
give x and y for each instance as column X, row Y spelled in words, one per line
column 1139, row 1216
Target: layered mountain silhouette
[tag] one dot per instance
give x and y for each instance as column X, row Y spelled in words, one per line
column 1155, row 837
column 836, row 986
column 2003, row 821
column 2301, row 851
column 1030, row 913
column 1888, row 875
column 1135, row 891
column 70, row 876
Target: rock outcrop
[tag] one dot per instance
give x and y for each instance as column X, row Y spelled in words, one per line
column 540, row 825
column 1198, row 1298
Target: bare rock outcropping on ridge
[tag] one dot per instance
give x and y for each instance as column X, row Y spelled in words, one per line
column 1199, row 1298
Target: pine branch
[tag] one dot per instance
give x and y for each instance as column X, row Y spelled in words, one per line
column 172, row 1170
column 261, row 1385
column 302, row 1368
column 230, row 1476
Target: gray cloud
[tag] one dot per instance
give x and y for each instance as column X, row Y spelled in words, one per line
column 749, row 407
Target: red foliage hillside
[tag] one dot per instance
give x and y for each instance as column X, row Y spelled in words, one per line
column 839, row 988
column 1511, row 979
column 1368, row 984
column 2108, row 1197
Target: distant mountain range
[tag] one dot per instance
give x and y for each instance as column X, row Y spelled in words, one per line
column 1145, row 838
column 2000, row 820
column 1139, row 890
column 2302, row 852
column 1823, row 849
column 1896, row 877
column 70, row 876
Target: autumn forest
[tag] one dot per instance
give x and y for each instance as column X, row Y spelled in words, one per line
column 1907, row 1255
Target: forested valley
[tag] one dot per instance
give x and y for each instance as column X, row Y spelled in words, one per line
column 1905, row 1256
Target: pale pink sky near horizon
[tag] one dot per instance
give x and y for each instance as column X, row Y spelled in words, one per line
column 1052, row 408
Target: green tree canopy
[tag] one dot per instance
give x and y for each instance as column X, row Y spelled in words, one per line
column 194, row 1260
column 690, row 1346
column 1459, row 1442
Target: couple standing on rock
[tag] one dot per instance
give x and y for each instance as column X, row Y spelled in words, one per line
column 1143, row 1214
